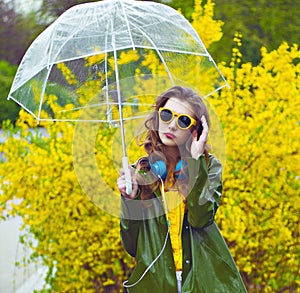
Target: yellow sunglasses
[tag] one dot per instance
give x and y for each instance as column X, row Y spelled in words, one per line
column 183, row 121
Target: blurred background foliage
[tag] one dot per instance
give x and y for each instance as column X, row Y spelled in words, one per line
column 8, row 109
column 260, row 113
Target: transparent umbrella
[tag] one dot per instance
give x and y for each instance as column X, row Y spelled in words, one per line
column 112, row 57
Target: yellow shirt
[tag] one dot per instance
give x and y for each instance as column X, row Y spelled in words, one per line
column 175, row 216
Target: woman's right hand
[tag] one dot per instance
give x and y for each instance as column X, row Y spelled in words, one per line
column 198, row 145
column 121, row 183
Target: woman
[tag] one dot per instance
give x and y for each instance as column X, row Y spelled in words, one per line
column 167, row 221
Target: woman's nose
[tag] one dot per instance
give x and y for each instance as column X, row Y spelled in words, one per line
column 172, row 124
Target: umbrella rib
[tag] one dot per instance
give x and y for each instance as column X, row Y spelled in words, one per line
column 102, row 104
column 50, row 48
column 127, row 24
column 136, row 46
column 108, row 111
column 22, row 105
column 159, row 54
column 169, row 20
column 118, row 93
column 43, row 92
column 88, row 24
column 217, row 89
column 71, row 36
column 175, row 51
column 89, row 120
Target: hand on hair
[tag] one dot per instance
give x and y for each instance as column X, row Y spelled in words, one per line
column 121, row 183
column 198, row 145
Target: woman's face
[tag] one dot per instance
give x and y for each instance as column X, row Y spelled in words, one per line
column 169, row 133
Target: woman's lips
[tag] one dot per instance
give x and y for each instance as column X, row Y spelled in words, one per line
column 169, row 135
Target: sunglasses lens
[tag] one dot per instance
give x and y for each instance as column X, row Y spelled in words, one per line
column 166, row 115
column 184, row 121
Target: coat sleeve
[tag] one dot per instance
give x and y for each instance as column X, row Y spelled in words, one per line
column 129, row 222
column 205, row 189
column 129, row 228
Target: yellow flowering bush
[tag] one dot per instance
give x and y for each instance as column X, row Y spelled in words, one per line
column 80, row 243
column 208, row 28
column 76, row 240
column 260, row 208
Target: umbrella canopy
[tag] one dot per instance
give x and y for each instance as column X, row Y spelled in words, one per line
column 109, row 27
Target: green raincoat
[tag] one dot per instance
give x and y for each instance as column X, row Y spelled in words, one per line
column 207, row 263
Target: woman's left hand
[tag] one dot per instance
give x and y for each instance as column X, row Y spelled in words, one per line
column 198, row 145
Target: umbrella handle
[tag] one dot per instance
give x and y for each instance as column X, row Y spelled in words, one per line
column 127, row 175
